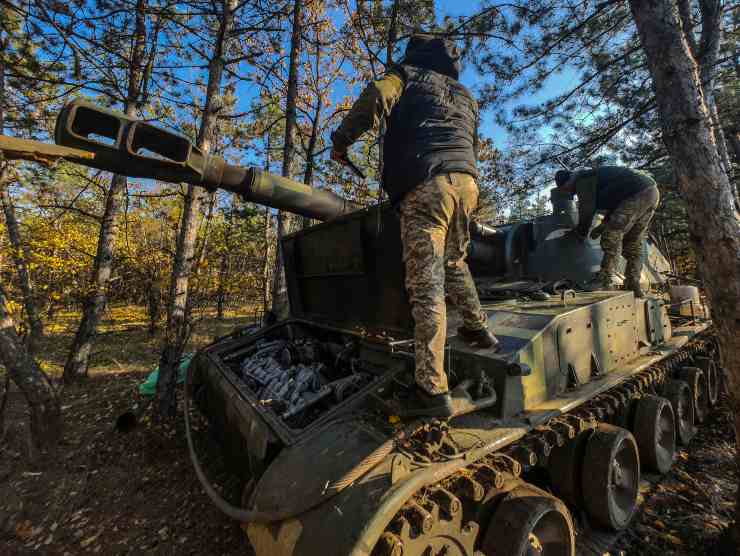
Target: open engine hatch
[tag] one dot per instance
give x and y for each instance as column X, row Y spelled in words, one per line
column 296, row 376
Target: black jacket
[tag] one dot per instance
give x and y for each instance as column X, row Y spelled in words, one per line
column 603, row 189
column 433, row 127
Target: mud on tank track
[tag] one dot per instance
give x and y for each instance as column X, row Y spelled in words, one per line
column 448, row 518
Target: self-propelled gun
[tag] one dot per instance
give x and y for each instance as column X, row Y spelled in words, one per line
column 588, row 391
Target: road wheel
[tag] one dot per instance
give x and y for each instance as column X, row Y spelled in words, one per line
column 697, row 382
column 611, row 477
column 655, row 433
column 678, row 393
column 711, row 372
column 528, row 522
column 565, row 468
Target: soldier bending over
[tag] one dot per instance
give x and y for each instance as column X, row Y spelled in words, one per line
column 629, row 199
column 429, row 155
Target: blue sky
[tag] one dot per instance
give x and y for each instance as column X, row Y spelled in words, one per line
column 557, row 84
column 246, row 91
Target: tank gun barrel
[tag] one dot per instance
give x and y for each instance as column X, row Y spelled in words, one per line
column 108, row 140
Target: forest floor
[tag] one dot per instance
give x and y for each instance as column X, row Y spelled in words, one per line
column 104, row 492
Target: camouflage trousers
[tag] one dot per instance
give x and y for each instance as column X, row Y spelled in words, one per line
column 625, row 232
column 434, row 231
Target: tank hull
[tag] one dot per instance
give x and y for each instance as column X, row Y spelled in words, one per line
column 630, row 348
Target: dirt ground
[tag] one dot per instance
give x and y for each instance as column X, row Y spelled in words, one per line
column 105, row 492
column 688, row 510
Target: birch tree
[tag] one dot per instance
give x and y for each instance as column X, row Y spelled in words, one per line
column 19, row 100
column 178, row 320
column 139, row 62
column 284, row 219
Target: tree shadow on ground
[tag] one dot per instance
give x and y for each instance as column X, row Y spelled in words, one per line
column 110, row 493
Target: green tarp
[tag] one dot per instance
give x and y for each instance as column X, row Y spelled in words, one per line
column 149, row 386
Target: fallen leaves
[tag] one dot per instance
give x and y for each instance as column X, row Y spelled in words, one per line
column 23, row 530
column 674, row 540
column 88, row 541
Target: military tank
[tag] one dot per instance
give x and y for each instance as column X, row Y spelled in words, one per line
column 588, row 391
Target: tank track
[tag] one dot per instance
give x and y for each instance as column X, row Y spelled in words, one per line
column 446, row 518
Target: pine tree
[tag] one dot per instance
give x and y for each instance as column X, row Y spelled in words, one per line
column 687, row 123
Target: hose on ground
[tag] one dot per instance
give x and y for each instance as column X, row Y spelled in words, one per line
column 255, row 516
column 234, row 512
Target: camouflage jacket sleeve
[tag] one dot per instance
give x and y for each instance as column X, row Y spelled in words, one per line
column 585, row 181
column 375, row 103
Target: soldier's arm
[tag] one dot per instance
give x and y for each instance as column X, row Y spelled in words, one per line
column 585, row 182
column 374, row 104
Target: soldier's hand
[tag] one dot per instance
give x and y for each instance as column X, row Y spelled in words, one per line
column 578, row 234
column 597, row 231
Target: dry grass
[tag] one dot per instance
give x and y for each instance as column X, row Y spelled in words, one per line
column 123, row 343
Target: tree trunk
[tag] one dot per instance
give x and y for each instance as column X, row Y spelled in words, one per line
column 203, row 249
column 734, row 136
column 20, row 258
column 713, row 219
column 78, row 358
column 178, row 317
column 311, row 153
column 225, row 264
column 315, row 124
column 43, row 400
column 20, row 251
column 3, row 403
column 266, row 263
column 711, row 12
column 280, row 305
column 154, row 304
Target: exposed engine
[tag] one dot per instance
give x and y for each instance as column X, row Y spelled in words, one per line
column 299, row 380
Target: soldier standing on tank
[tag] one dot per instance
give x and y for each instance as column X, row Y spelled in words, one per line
column 429, row 172
column 628, row 198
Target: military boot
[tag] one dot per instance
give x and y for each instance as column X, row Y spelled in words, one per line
column 434, row 405
column 636, row 289
column 604, row 279
column 481, row 338
column 632, row 278
column 600, row 282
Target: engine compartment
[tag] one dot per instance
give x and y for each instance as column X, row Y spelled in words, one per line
column 299, row 380
column 298, row 375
